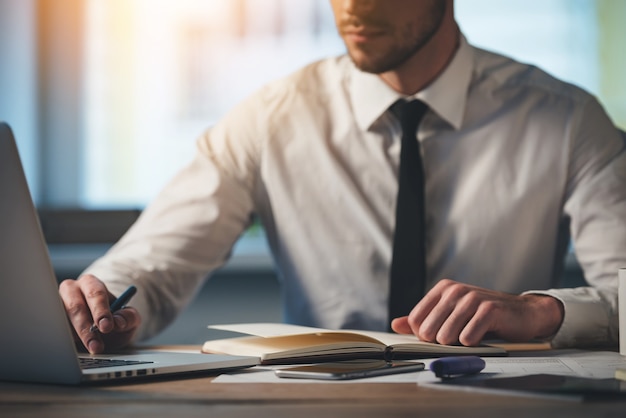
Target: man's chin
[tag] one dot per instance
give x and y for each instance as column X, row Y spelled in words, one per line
column 369, row 63
column 366, row 64
column 372, row 67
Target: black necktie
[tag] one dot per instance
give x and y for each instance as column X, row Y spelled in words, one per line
column 408, row 264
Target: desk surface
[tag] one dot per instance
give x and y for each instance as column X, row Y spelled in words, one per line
column 201, row 397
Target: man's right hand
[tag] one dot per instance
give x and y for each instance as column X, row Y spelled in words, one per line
column 87, row 303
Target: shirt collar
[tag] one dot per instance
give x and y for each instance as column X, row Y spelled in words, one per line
column 446, row 96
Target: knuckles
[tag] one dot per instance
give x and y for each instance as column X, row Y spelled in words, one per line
column 497, row 312
column 489, row 307
column 74, row 309
column 67, row 286
column 96, row 293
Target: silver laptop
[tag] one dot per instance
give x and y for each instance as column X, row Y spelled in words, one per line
column 37, row 343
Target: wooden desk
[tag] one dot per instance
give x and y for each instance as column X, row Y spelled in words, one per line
column 199, row 397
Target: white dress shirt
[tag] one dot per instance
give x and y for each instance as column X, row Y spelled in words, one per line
column 509, row 154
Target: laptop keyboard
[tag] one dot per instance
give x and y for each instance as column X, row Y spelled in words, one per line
column 94, row 363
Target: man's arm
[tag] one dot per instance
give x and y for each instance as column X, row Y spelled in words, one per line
column 184, row 234
column 595, row 201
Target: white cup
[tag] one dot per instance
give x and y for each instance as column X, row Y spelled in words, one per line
column 621, row 297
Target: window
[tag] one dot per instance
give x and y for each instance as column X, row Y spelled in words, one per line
column 159, row 72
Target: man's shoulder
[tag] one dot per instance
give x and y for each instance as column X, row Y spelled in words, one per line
column 307, row 90
column 501, row 73
column 314, row 79
column 328, row 69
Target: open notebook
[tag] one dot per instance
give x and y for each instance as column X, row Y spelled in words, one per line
column 284, row 344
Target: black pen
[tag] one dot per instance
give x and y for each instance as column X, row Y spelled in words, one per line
column 119, row 303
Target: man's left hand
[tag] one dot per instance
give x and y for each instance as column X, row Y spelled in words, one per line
column 454, row 312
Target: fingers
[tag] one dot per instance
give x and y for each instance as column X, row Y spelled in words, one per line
column 436, row 317
column 127, row 321
column 443, row 314
column 86, row 303
column 478, row 325
column 401, row 325
column 453, row 312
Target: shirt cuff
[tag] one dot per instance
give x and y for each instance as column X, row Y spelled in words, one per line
column 586, row 319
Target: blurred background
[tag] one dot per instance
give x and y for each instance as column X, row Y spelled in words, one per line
column 107, row 97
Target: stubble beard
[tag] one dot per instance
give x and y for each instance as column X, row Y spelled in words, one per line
column 409, row 40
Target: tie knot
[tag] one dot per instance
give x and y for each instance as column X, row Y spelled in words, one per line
column 409, row 113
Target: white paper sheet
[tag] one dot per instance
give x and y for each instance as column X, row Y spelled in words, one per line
column 595, row 364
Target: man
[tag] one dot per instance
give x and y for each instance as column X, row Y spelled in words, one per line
column 510, row 158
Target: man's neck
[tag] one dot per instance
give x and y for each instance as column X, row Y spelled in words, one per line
column 426, row 64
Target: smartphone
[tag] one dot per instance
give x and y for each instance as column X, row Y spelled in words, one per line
column 350, row 369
